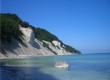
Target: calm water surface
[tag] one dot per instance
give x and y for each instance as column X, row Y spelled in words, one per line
column 81, row 67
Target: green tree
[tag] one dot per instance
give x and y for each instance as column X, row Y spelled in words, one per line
column 13, row 17
column 42, row 34
column 9, row 29
column 71, row 49
column 25, row 24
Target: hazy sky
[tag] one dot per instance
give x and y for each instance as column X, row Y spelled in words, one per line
column 83, row 24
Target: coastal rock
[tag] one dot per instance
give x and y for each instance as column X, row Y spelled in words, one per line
column 30, row 46
column 23, row 39
column 61, row 64
column 56, row 47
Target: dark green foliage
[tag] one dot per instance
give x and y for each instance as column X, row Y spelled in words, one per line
column 47, row 46
column 52, row 51
column 13, row 17
column 42, row 34
column 71, row 49
column 9, row 28
column 25, row 24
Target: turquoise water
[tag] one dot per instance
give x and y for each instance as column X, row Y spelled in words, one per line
column 81, row 67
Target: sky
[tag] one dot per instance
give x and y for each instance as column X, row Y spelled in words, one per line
column 82, row 24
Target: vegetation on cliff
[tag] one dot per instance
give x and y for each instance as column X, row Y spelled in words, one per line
column 10, row 29
column 42, row 34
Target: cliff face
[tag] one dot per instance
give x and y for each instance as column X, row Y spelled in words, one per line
column 30, row 46
column 19, row 38
column 56, row 47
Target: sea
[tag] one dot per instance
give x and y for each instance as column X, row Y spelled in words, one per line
column 81, row 67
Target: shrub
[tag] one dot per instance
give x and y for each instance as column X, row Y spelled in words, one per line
column 25, row 24
column 9, row 29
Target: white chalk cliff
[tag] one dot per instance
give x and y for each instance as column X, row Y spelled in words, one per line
column 30, row 46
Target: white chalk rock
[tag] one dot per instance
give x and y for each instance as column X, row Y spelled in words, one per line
column 61, row 64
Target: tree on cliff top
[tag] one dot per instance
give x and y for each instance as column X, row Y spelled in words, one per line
column 10, row 27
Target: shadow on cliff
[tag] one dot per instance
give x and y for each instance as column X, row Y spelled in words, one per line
column 24, row 73
column 32, row 41
column 9, row 47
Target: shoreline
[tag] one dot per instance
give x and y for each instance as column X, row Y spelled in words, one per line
column 22, row 56
column 27, row 56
